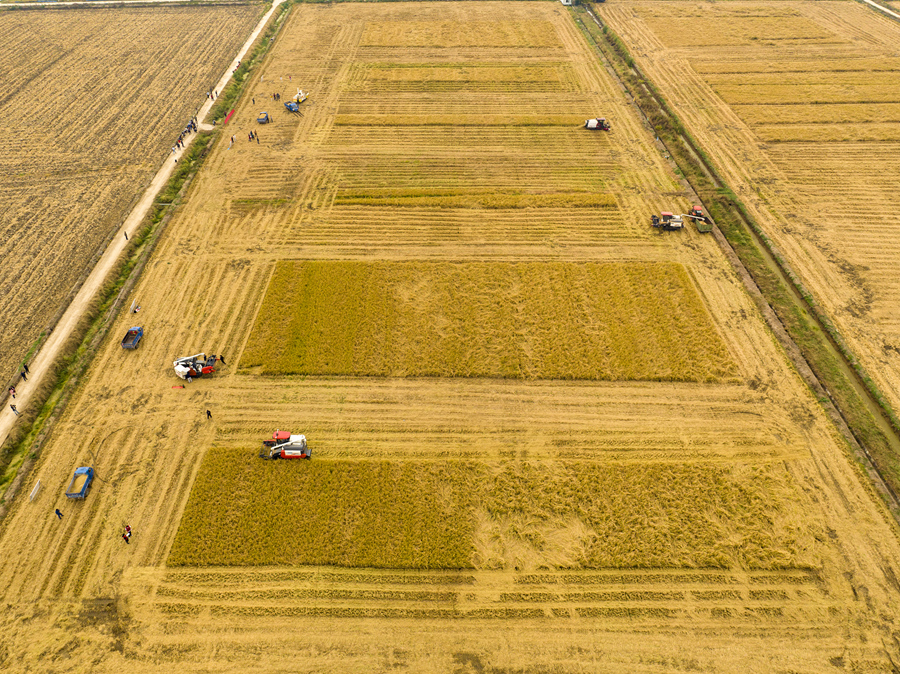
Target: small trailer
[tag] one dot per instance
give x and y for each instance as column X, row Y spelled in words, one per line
column 263, row 118
column 704, row 224
column 132, row 337
column 81, row 480
column 283, row 445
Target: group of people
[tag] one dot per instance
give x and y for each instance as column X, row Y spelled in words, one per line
column 252, row 135
column 12, row 389
column 190, row 128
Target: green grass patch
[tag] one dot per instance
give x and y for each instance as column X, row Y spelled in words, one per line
column 244, row 511
column 612, row 321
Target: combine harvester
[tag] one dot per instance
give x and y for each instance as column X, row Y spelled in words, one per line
column 597, row 124
column 81, row 480
column 195, row 366
column 283, row 445
column 668, row 221
column 294, row 104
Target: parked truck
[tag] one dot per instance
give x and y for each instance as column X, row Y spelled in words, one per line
column 132, row 337
column 81, row 480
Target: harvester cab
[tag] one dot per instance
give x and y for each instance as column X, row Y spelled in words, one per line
column 668, row 221
column 283, row 445
column 263, row 118
column 195, row 366
column 597, row 124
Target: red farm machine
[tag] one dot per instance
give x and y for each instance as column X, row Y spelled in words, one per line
column 283, row 445
column 195, row 366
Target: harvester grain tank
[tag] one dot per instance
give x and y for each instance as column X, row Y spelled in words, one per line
column 597, row 124
column 132, row 337
column 81, row 480
column 283, row 445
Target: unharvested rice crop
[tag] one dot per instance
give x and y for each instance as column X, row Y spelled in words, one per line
column 612, row 321
column 544, row 77
column 533, row 33
column 458, row 120
column 244, row 511
column 441, row 514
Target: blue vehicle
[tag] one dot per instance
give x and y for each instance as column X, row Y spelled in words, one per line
column 132, row 337
column 82, row 479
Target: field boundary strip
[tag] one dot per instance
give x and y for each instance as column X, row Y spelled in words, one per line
column 805, row 333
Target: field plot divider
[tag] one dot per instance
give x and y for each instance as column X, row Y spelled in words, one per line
column 834, row 397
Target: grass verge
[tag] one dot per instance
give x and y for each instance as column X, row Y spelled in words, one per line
column 807, row 325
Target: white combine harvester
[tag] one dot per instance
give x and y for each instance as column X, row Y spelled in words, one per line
column 195, row 366
column 294, row 104
column 283, row 445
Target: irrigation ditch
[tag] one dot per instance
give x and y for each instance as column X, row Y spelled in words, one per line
column 821, row 356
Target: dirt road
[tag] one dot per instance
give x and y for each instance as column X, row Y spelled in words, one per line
column 41, row 363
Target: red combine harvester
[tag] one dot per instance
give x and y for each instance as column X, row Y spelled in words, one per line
column 597, row 124
column 283, row 445
column 195, row 366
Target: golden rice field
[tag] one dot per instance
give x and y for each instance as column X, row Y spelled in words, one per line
column 612, row 321
column 807, row 135
column 244, row 511
column 454, row 219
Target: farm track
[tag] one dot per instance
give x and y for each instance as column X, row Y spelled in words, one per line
column 84, row 596
column 97, row 140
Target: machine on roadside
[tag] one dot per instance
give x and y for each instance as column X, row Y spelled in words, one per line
column 294, row 104
column 668, row 221
column 195, row 366
column 597, row 124
column 283, row 445
column 81, row 480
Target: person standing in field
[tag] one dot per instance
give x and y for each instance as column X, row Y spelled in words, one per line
column 58, row 514
column 125, row 536
column 208, row 414
column 22, row 374
column 222, row 358
column 12, row 392
column 25, row 367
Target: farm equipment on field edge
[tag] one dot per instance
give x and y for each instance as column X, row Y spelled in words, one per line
column 283, row 445
column 294, row 104
column 704, row 224
column 132, row 337
column 195, row 366
column 81, row 480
